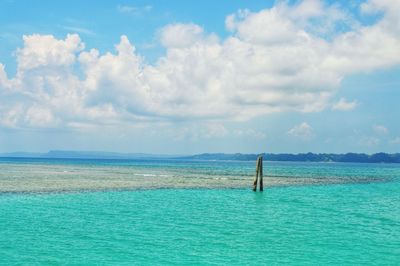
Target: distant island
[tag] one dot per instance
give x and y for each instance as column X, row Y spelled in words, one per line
column 304, row 157
column 60, row 154
column 283, row 157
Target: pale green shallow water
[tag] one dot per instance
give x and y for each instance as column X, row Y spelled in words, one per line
column 356, row 222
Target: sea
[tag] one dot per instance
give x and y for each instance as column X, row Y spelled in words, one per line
column 186, row 212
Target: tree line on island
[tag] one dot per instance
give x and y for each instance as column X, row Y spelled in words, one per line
column 304, row 157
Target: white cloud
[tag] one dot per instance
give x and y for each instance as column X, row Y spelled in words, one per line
column 344, row 105
column 4, row 82
column 374, row 6
column 381, row 130
column 46, row 50
column 10, row 117
column 274, row 60
column 303, row 131
column 136, row 10
column 181, row 35
column 37, row 116
column 395, row 140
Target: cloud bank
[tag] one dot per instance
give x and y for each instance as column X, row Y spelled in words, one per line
column 285, row 58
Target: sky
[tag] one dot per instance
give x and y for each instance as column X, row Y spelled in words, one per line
column 185, row 77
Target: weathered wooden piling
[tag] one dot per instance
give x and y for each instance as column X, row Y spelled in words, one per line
column 256, row 176
column 259, row 174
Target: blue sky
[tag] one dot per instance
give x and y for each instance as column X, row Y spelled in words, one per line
column 214, row 76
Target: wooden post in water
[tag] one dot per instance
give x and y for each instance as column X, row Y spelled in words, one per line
column 256, row 176
column 259, row 172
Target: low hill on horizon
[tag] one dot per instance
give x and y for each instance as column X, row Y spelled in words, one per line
column 62, row 154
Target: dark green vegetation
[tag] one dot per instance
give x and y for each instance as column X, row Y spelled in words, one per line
column 304, row 157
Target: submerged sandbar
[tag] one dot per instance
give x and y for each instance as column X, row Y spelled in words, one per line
column 40, row 178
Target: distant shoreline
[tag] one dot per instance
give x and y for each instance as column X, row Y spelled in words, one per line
column 304, row 157
column 283, row 157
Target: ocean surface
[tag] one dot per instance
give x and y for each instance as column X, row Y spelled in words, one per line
column 163, row 212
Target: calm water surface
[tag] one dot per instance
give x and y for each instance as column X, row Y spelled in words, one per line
column 200, row 213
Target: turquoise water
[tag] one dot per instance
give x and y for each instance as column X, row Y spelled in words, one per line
column 352, row 221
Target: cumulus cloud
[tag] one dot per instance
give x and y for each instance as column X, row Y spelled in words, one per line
column 4, row 82
column 46, row 50
column 181, row 35
column 37, row 116
column 303, row 131
column 277, row 59
column 344, row 105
